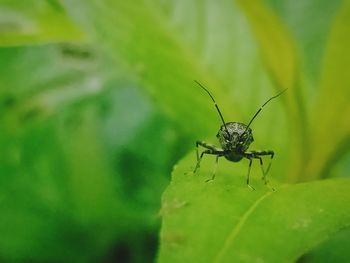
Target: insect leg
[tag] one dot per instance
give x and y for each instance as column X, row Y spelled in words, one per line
column 248, row 176
column 199, row 158
column 215, row 168
column 271, row 153
column 261, row 166
column 211, row 149
column 257, row 155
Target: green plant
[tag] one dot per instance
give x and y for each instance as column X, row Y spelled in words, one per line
column 98, row 102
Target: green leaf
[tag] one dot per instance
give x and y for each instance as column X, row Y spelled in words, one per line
column 330, row 127
column 276, row 44
column 279, row 53
column 224, row 221
column 33, row 87
column 144, row 46
column 165, row 52
column 309, row 25
column 71, row 159
column 33, row 22
column 334, row 249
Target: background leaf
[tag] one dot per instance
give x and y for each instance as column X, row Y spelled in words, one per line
column 279, row 53
column 35, row 22
column 61, row 161
column 309, row 23
column 173, row 90
column 334, row 89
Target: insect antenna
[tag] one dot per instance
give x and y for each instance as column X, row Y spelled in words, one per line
column 256, row 114
column 216, row 106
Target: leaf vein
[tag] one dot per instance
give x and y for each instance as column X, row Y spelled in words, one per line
column 235, row 230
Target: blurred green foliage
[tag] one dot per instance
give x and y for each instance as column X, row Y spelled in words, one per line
column 97, row 103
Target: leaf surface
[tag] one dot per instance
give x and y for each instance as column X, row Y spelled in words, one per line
column 224, row 221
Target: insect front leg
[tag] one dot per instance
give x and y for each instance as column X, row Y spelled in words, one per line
column 211, row 149
column 215, row 169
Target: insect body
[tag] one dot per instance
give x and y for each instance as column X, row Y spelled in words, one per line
column 235, row 139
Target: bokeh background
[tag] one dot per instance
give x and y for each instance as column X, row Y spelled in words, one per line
column 98, row 102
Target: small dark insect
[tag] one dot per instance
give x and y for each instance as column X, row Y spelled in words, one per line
column 235, row 139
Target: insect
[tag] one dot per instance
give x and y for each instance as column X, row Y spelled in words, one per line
column 235, row 139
